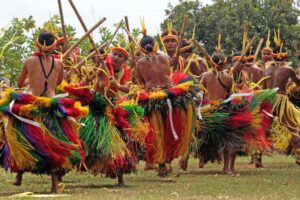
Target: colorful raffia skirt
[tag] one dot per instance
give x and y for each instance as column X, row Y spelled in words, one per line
column 114, row 135
column 171, row 113
column 241, row 122
column 41, row 133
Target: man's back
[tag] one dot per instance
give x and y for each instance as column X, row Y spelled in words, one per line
column 279, row 76
column 217, row 87
column 254, row 73
column 44, row 74
column 154, row 71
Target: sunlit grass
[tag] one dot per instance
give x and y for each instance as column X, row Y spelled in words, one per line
column 280, row 179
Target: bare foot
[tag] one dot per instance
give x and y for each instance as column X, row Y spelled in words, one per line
column 227, row 171
column 298, row 162
column 258, row 164
column 163, row 171
column 183, row 163
column 201, row 164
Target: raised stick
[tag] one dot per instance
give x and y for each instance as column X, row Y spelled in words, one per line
column 201, row 49
column 258, row 49
column 66, row 43
column 181, row 35
column 129, row 38
column 84, row 26
column 82, row 38
column 244, row 53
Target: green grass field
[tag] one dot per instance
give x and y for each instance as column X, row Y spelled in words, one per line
column 280, row 179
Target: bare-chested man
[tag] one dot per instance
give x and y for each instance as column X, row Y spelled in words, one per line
column 217, row 82
column 254, row 73
column 154, row 74
column 197, row 65
column 170, row 41
column 279, row 76
column 42, row 73
column 118, row 72
column 218, row 85
column 114, row 81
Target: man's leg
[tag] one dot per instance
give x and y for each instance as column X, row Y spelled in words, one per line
column 227, row 161
column 121, row 182
column 19, row 178
column 54, row 179
column 184, row 162
column 258, row 161
column 162, row 170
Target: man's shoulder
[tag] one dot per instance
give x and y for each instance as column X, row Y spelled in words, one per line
column 207, row 74
column 30, row 61
column 31, row 58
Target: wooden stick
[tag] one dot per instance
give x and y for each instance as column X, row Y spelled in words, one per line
column 258, row 49
column 244, row 53
column 81, row 62
column 201, row 49
column 181, row 35
column 129, row 35
column 82, row 38
column 66, row 43
column 129, row 38
column 84, row 26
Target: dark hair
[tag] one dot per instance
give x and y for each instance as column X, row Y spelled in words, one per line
column 185, row 43
column 251, row 52
column 218, row 57
column 147, row 43
column 237, row 53
column 46, row 38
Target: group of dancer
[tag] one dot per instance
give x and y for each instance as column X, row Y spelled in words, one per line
column 104, row 116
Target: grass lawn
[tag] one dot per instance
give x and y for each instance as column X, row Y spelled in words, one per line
column 280, row 179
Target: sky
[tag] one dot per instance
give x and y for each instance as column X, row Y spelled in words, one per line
column 91, row 11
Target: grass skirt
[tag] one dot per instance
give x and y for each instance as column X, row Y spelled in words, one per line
column 241, row 122
column 114, row 136
column 171, row 114
column 287, row 120
column 48, row 141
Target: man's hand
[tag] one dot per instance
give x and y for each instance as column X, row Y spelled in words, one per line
column 175, row 62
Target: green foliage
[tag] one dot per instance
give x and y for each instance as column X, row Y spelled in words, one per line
column 228, row 16
column 14, row 46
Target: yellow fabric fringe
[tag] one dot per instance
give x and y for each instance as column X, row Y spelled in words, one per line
column 19, row 152
column 280, row 135
column 187, row 120
column 158, row 128
column 286, row 111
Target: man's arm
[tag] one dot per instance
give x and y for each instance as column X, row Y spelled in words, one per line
column 138, row 74
column 61, row 72
column 195, row 68
column 295, row 78
column 203, row 83
column 23, row 75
